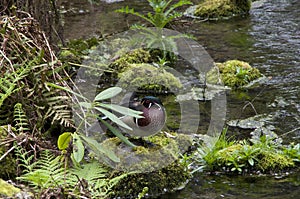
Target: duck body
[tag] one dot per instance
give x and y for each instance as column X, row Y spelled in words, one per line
column 154, row 117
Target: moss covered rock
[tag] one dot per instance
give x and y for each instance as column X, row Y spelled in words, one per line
column 222, row 8
column 233, row 73
column 8, row 190
column 135, row 56
column 155, row 164
column 148, row 77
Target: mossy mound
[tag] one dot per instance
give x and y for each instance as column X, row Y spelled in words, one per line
column 167, row 179
column 147, row 77
column 215, row 9
column 8, row 190
column 135, row 56
column 152, row 153
column 154, row 164
column 233, row 73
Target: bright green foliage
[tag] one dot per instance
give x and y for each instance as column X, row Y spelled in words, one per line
column 264, row 154
column 64, row 140
column 20, row 119
column 234, row 73
column 164, row 12
column 48, row 172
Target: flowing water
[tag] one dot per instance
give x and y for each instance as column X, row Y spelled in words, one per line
column 269, row 39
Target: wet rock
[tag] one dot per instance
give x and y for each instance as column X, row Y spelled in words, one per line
column 217, row 9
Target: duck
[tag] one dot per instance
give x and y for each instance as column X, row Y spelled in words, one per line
column 154, row 117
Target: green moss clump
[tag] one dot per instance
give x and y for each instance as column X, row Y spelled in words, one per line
column 222, row 8
column 133, row 57
column 274, row 161
column 155, row 164
column 8, row 190
column 148, row 77
column 263, row 154
column 233, row 73
column 158, row 182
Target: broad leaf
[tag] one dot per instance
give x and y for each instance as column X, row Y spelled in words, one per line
column 78, row 148
column 118, row 134
column 123, row 110
column 64, row 140
column 113, row 118
column 108, row 93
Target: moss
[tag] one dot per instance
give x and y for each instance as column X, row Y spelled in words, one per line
column 155, row 166
column 158, row 182
column 148, row 77
column 273, row 161
column 8, row 190
column 222, row 8
column 233, row 73
column 136, row 56
column 8, row 164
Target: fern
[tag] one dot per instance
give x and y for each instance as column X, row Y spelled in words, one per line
column 20, row 119
column 59, row 107
column 96, row 176
column 9, row 83
column 24, row 159
column 47, row 172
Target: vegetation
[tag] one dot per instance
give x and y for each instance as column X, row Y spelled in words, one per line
column 36, row 102
column 233, row 73
column 246, row 156
column 215, row 9
column 163, row 12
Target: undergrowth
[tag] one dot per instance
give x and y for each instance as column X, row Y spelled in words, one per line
column 48, row 173
column 264, row 155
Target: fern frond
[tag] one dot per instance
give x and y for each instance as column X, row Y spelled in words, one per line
column 20, row 119
column 8, row 83
column 59, row 107
column 46, row 172
column 24, row 159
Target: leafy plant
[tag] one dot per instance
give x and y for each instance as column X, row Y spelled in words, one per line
column 20, row 119
column 164, row 12
column 260, row 154
column 48, row 172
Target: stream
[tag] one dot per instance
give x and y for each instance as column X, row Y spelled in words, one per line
column 269, row 39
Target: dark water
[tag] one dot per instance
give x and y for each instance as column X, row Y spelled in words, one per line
column 269, row 39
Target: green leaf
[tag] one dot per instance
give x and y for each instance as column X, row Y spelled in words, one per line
column 118, row 134
column 113, row 118
column 108, row 93
column 86, row 104
column 78, row 148
column 64, row 140
column 123, row 110
column 251, row 162
column 99, row 149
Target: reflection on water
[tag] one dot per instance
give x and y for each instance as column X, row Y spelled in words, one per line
column 205, row 186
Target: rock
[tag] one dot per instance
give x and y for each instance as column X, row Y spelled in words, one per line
column 216, row 9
